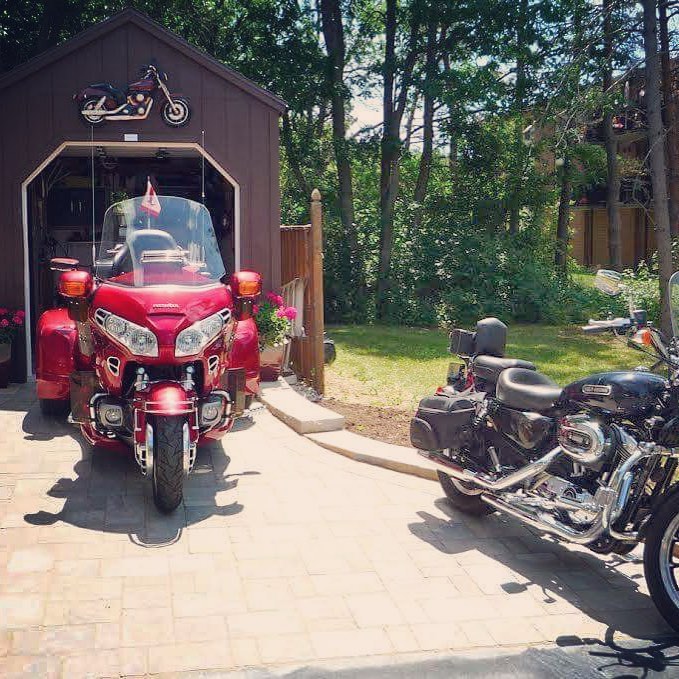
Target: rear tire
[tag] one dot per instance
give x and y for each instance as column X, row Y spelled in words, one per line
column 463, row 497
column 54, row 408
column 90, row 104
column 168, row 462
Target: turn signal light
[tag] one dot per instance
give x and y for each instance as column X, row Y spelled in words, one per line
column 246, row 284
column 75, row 284
column 248, row 288
column 643, row 337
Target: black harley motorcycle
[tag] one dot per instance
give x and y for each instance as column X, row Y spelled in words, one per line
column 594, row 463
column 103, row 101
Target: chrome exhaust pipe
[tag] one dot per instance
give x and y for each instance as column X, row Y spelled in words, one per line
column 513, row 479
column 548, row 523
column 612, row 500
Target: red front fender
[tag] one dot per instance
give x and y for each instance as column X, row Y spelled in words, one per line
column 168, row 398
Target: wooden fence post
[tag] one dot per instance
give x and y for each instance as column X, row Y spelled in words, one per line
column 316, row 325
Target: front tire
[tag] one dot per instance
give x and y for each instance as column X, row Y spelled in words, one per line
column 168, row 462
column 661, row 560
column 463, row 497
column 177, row 115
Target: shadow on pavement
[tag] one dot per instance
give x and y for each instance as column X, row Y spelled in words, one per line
column 615, row 603
column 109, row 493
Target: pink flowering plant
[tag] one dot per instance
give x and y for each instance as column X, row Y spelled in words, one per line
column 273, row 319
column 10, row 323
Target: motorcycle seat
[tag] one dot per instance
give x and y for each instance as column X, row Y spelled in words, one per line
column 489, row 367
column 117, row 94
column 523, row 389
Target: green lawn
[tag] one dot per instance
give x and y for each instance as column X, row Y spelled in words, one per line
column 395, row 366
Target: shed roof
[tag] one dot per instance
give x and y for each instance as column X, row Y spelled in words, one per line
column 143, row 21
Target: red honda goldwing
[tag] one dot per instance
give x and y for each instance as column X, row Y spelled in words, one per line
column 153, row 352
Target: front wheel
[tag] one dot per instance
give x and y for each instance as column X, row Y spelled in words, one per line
column 661, row 560
column 168, row 462
column 464, row 497
column 176, row 115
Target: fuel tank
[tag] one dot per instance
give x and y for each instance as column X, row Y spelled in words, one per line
column 629, row 393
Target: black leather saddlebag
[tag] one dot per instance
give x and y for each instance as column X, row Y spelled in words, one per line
column 442, row 422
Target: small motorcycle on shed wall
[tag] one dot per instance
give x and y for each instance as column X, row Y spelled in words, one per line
column 103, row 101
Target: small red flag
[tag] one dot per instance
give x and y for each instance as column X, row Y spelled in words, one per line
column 150, row 204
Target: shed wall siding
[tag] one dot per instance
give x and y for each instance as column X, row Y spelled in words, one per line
column 241, row 134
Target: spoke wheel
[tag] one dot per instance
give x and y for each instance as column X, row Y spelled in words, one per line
column 661, row 560
column 93, row 118
column 177, row 115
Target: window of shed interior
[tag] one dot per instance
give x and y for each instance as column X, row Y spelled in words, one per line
column 60, row 203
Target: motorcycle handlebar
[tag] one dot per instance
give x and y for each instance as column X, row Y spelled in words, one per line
column 596, row 327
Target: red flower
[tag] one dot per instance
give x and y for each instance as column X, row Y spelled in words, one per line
column 275, row 299
column 4, row 323
column 20, row 313
column 255, row 309
column 280, row 312
column 17, row 320
column 290, row 313
column 3, row 311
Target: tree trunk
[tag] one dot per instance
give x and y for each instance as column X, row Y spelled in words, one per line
column 563, row 222
column 671, row 118
column 333, row 33
column 657, row 159
column 519, row 104
column 410, row 121
column 390, row 147
column 292, row 153
column 611, row 144
column 427, row 125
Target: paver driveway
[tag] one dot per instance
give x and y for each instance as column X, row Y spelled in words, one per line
column 283, row 552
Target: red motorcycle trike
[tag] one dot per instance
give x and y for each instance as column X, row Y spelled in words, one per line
column 153, row 352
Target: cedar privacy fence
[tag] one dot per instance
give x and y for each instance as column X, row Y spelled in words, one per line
column 302, row 283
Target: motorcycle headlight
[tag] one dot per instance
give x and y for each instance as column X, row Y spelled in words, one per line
column 140, row 341
column 193, row 339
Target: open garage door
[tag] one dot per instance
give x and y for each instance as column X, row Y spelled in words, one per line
column 65, row 198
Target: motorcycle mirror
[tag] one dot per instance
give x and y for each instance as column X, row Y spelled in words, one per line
column 63, row 264
column 608, row 282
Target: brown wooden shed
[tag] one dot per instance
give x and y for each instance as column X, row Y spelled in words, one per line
column 46, row 155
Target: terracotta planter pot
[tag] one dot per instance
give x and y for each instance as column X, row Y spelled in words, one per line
column 270, row 362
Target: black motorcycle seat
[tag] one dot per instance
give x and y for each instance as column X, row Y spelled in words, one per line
column 527, row 390
column 117, row 94
column 490, row 367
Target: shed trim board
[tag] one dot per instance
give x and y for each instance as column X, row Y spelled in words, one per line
column 133, row 145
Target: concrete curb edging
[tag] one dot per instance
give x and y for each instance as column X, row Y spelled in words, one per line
column 378, row 453
column 326, row 428
column 296, row 411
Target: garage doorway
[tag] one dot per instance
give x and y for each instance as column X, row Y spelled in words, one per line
column 58, row 205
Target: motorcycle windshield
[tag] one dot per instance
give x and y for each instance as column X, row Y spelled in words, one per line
column 673, row 292
column 164, row 240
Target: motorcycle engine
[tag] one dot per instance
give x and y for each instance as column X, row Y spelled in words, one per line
column 584, row 440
